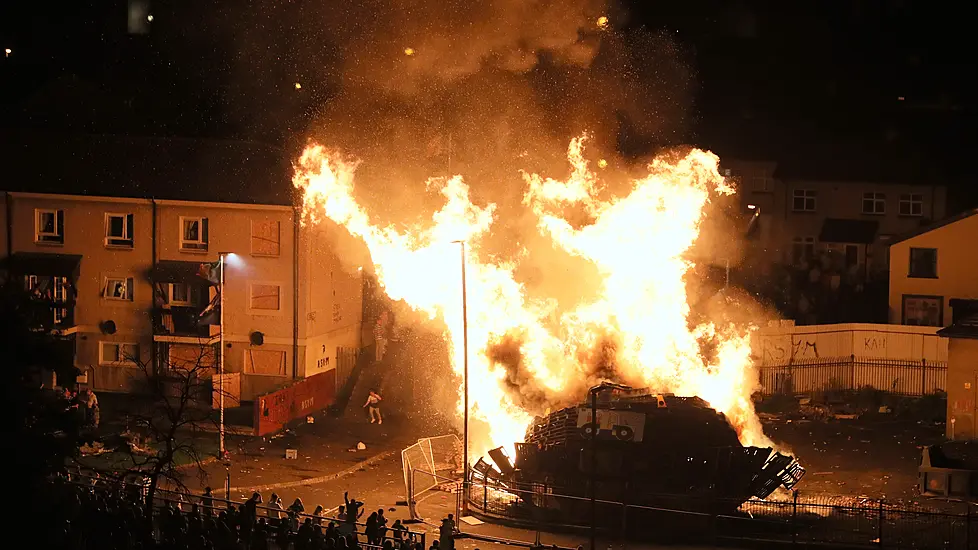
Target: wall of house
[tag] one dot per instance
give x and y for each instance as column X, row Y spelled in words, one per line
column 844, row 200
column 956, row 276
column 962, row 389
column 333, row 292
column 259, row 264
column 84, row 234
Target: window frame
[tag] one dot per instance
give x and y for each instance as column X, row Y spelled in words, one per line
column 200, row 245
column 247, row 355
column 807, row 244
column 251, row 241
column 805, row 195
column 877, row 199
column 903, row 308
column 762, row 183
column 130, row 283
column 189, row 302
column 910, row 264
column 261, row 311
column 119, row 353
column 908, row 199
column 49, row 238
column 126, row 241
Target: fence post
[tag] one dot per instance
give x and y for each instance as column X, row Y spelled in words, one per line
column 794, row 518
column 879, row 531
column 923, row 377
column 485, row 497
column 967, row 533
column 852, row 371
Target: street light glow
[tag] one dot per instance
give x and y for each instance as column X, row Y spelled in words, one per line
column 751, row 206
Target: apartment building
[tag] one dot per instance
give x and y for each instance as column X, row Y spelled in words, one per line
column 122, row 281
column 853, row 221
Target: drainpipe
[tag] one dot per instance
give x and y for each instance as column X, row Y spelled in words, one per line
column 10, row 226
column 295, row 293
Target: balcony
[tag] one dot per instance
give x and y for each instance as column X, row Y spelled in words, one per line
column 182, row 322
column 49, row 316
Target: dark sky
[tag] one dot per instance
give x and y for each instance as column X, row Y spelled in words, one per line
column 771, row 79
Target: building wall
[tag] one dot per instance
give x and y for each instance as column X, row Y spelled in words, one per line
column 780, row 224
column 84, row 234
column 956, row 274
column 962, row 389
column 333, row 297
column 329, row 304
column 256, row 265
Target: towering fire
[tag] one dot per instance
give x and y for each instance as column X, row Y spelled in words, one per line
column 529, row 353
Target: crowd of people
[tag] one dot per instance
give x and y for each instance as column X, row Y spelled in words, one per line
column 94, row 513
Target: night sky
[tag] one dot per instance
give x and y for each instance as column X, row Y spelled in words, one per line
column 833, row 84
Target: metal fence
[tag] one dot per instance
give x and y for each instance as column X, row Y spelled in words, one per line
column 792, row 519
column 910, row 378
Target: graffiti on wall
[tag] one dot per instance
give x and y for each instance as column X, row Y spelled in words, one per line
column 790, row 349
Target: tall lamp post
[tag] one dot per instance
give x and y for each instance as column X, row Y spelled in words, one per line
column 593, row 394
column 220, row 358
column 465, row 384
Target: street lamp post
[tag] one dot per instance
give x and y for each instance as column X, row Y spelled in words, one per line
column 465, row 384
column 220, row 364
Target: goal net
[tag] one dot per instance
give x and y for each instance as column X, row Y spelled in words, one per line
column 431, row 462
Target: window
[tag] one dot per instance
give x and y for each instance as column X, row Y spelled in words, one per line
column 874, row 203
column 118, row 288
column 265, row 238
column 927, row 311
column 803, row 200
column 193, row 234
column 802, row 249
column 760, row 183
column 118, row 353
column 49, row 226
column 262, row 361
column 912, row 205
column 923, row 263
column 118, row 230
column 265, row 297
column 181, row 294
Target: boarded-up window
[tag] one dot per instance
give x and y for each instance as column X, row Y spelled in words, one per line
column 265, row 296
column 192, row 357
column 266, row 238
column 263, row 361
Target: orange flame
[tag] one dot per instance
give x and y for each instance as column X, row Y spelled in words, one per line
column 637, row 242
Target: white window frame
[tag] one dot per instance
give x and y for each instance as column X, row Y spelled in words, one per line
column 259, row 311
column 877, row 199
column 130, row 283
column 806, row 195
column 911, row 199
column 761, row 183
column 120, row 353
column 189, row 302
column 48, row 238
column 200, row 245
column 804, row 243
column 125, row 231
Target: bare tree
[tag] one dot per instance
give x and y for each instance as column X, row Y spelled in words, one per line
column 174, row 412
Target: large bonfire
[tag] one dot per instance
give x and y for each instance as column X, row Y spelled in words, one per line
column 634, row 328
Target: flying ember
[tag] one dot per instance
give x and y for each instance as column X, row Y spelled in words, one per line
column 530, row 353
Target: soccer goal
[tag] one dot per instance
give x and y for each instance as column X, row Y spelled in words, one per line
column 432, row 462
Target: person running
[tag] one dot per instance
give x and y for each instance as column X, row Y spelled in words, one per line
column 373, row 407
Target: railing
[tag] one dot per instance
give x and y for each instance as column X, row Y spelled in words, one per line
column 212, row 506
column 180, row 321
column 791, row 519
column 910, row 378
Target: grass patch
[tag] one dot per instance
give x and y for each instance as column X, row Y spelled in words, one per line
column 120, row 460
